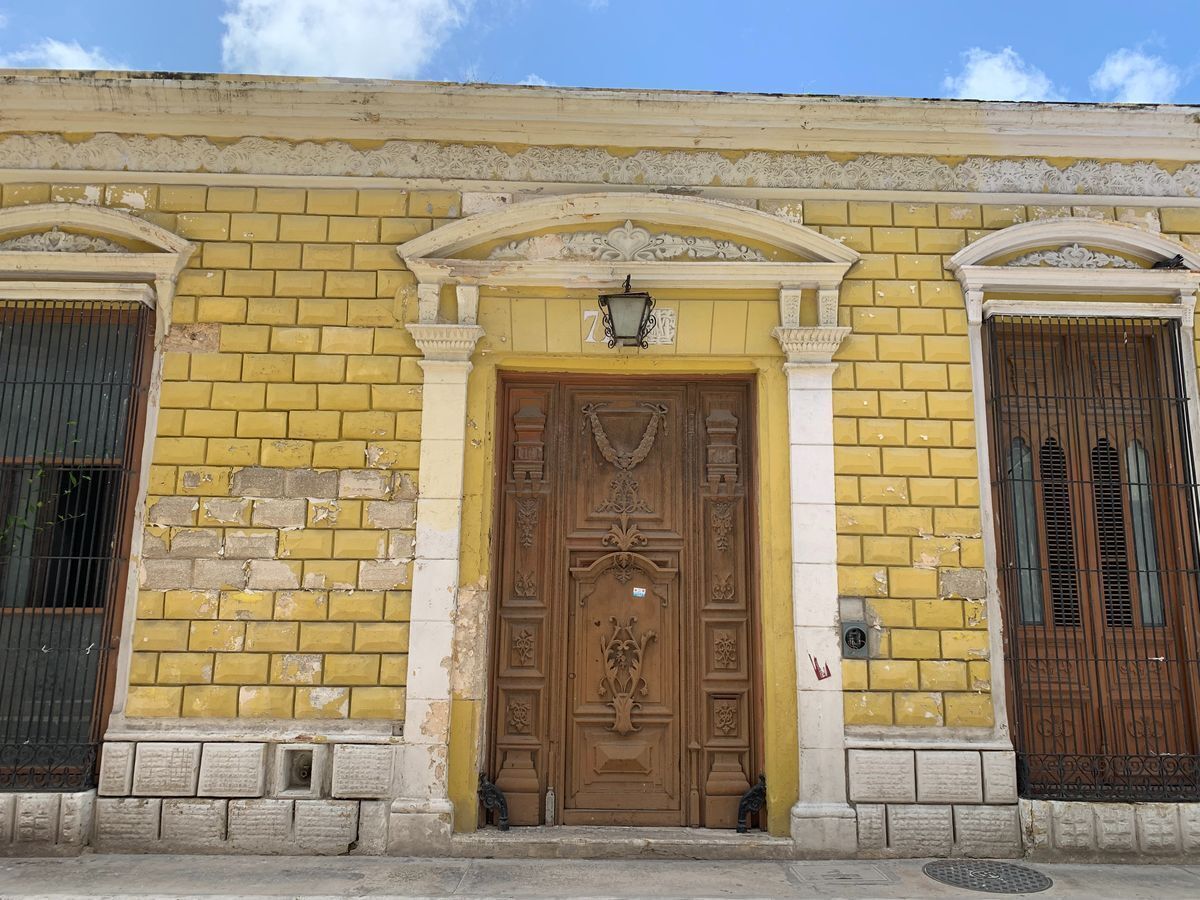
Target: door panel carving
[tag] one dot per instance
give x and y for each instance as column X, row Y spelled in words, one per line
column 625, row 665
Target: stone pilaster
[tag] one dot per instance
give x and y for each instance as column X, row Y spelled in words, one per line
column 822, row 822
column 421, row 814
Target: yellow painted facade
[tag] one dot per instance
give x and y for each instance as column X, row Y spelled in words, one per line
column 281, row 512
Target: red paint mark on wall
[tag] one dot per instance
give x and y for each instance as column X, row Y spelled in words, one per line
column 821, row 671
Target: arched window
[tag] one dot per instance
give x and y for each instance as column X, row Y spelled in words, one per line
column 1027, row 554
column 1145, row 541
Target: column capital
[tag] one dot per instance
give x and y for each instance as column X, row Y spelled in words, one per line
column 446, row 343
column 811, row 343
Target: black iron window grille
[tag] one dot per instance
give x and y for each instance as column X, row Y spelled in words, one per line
column 1095, row 500
column 72, row 386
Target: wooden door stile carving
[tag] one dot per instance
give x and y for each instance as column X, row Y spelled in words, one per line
column 624, row 668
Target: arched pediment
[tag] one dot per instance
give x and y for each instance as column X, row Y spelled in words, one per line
column 1073, row 243
column 82, row 228
column 85, row 242
column 1074, row 256
column 592, row 239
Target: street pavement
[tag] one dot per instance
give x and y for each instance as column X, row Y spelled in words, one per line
column 110, row 875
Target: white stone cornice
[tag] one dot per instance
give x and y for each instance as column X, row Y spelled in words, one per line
column 810, row 344
column 602, row 275
column 446, row 343
column 232, row 106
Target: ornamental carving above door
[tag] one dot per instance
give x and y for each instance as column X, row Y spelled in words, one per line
column 623, row 683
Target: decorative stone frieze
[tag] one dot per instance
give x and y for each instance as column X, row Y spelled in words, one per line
column 55, row 241
column 1073, row 256
column 596, row 165
column 623, row 244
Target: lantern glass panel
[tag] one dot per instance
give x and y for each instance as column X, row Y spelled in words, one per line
column 627, row 312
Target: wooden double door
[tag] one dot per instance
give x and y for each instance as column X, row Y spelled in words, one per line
column 1095, row 499
column 624, row 684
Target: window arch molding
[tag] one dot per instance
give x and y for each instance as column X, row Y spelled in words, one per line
column 75, row 249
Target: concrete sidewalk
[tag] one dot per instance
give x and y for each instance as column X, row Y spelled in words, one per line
column 223, row 876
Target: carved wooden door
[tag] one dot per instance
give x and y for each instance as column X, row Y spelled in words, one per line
column 623, row 688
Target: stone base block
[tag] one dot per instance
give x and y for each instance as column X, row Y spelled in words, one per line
column 987, row 832
column 420, row 828
column 1110, row 831
column 824, row 831
column 46, row 824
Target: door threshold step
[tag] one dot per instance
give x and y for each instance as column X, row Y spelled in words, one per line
column 616, row 842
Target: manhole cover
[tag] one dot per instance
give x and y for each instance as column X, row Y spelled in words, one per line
column 992, row 877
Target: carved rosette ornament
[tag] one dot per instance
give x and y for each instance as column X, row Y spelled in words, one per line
column 725, row 650
column 623, row 683
column 725, row 716
column 518, row 715
column 522, row 647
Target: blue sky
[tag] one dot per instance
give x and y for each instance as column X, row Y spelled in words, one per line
column 1011, row 49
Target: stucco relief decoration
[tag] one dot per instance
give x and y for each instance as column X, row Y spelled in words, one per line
column 625, row 243
column 1073, row 256
column 423, row 159
column 55, row 241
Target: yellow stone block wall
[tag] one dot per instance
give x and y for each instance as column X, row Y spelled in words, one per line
column 288, row 440
column 284, row 472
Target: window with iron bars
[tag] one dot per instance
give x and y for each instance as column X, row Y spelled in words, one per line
column 72, row 397
column 1095, row 494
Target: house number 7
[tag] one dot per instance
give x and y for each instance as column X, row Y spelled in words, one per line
column 592, row 316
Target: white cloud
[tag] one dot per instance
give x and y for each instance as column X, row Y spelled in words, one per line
column 1003, row 75
column 348, row 38
column 1130, row 76
column 51, row 54
column 534, row 79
